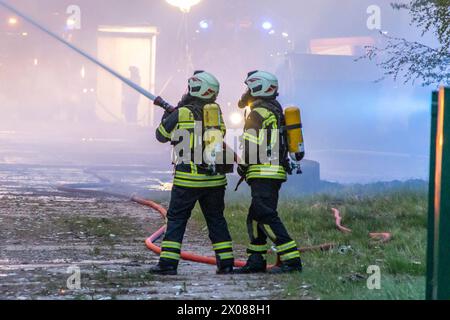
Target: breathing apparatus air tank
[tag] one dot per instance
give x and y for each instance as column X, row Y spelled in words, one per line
column 294, row 134
column 212, row 139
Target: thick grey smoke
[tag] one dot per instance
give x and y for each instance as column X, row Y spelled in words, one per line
column 58, row 108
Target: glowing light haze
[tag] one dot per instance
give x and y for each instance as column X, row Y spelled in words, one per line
column 54, row 103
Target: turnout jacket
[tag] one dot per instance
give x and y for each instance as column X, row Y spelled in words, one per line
column 263, row 136
column 189, row 174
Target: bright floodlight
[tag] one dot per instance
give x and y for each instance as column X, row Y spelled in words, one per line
column 183, row 5
column 204, row 24
column 267, row 25
column 12, row 21
column 236, row 118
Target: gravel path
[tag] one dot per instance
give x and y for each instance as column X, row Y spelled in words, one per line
column 45, row 232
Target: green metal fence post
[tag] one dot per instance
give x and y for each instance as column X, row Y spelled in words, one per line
column 430, row 244
column 439, row 270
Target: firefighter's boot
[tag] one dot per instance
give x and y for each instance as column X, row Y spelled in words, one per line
column 294, row 265
column 225, row 270
column 256, row 263
column 164, row 269
column 225, row 266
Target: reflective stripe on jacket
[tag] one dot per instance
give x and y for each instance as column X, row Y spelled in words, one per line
column 262, row 131
column 188, row 174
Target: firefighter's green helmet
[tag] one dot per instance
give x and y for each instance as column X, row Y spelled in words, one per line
column 262, row 84
column 204, row 85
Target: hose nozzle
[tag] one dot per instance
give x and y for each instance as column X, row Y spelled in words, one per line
column 160, row 102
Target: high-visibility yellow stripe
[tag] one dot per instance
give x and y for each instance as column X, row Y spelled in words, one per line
column 258, row 140
column 270, row 232
column 200, row 180
column 268, row 116
column 263, row 112
column 226, row 256
column 272, row 120
column 193, row 170
column 286, row 246
column 200, row 184
column 266, row 167
column 186, row 121
column 171, row 244
column 252, row 177
column 252, row 138
column 267, row 176
column 185, row 126
column 196, row 176
column 170, row 255
column 163, row 132
column 266, row 171
column 192, row 141
column 255, row 229
column 290, row 256
column 258, row 248
column 223, row 245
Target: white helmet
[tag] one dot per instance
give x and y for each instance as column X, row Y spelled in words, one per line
column 262, row 84
column 204, row 85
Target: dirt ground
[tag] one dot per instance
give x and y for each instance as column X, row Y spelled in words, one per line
column 44, row 232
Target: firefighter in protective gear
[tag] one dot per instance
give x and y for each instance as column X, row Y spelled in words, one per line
column 265, row 170
column 193, row 181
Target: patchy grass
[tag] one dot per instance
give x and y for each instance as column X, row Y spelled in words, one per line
column 343, row 275
column 107, row 229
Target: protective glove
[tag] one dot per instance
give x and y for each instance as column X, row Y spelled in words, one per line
column 163, row 104
column 245, row 100
column 165, row 116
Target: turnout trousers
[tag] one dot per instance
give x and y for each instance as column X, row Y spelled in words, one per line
column 263, row 222
column 212, row 204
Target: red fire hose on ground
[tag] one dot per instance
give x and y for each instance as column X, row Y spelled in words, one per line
column 382, row 236
column 150, row 242
column 188, row 256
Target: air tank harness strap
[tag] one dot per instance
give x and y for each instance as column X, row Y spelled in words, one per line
column 292, row 127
